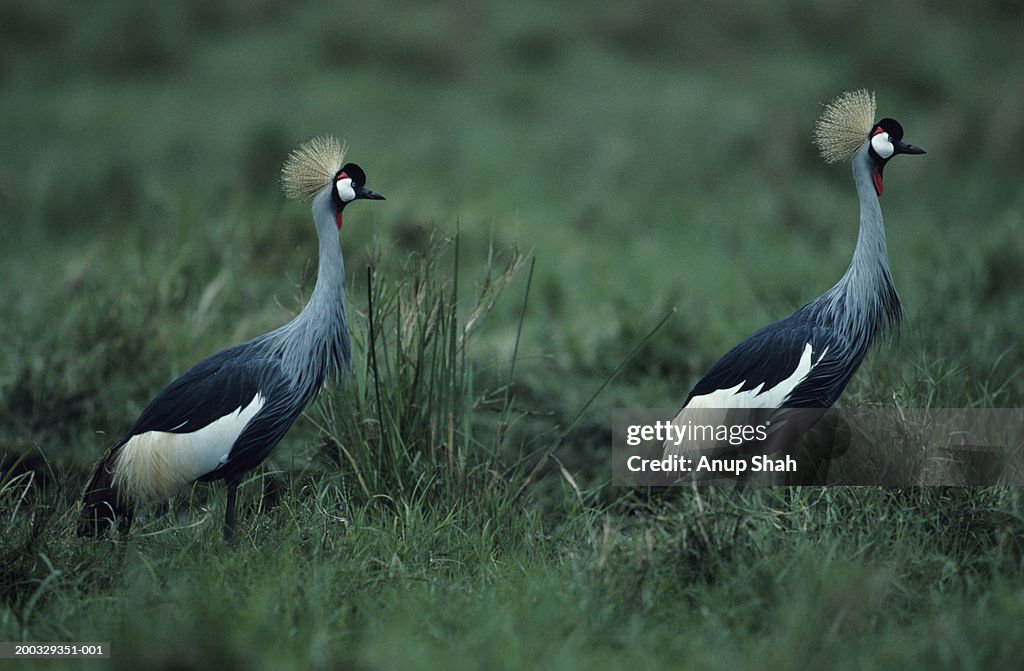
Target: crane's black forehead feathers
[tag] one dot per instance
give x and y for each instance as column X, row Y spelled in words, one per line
column 354, row 172
column 892, row 127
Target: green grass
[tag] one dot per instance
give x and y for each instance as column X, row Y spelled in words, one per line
column 559, row 178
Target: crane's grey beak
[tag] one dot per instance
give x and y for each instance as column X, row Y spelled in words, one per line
column 368, row 194
column 902, row 147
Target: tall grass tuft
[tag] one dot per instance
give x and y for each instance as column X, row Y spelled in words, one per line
column 416, row 422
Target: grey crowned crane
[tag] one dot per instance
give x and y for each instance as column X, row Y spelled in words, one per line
column 225, row 414
column 806, row 359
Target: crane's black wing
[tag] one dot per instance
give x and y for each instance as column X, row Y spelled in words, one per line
column 772, row 355
column 213, row 388
column 768, row 358
column 219, row 386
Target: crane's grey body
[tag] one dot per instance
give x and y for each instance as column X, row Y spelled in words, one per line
column 807, row 359
column 839, row 326
column 225, row 414
column 285, row 367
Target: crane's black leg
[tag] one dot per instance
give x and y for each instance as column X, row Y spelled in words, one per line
column 229, row 514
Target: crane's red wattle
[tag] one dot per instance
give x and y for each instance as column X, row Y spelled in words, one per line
column 876, row 177
column 337, row 220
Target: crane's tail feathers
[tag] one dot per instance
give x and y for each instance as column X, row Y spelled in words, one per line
column 103, row 506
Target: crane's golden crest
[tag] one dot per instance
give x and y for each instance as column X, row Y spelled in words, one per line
column 312, row 166
column 844, row 125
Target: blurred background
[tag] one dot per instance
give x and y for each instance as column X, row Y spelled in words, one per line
column 652, row 155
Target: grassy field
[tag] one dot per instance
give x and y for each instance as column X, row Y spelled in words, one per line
column 559, row 178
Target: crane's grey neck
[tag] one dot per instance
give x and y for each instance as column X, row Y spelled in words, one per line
column 864, row 301
column 316, row 341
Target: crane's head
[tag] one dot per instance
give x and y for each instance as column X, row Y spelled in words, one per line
column 886, row 141
column 317, row 165
column 847, row 123
column 349, row 185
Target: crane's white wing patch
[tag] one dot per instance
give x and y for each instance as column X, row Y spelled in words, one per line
column 155, row 464
column 758, row 397
column 712, row 409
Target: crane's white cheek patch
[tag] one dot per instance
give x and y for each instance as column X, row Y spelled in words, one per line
column 882, row 145
column 345, row 190
column 154, row 465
